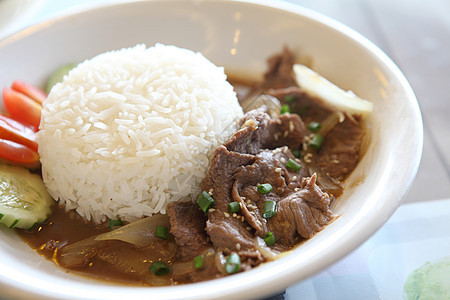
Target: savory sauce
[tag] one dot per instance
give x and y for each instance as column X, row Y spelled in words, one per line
column 61, row 228
column 110, row 260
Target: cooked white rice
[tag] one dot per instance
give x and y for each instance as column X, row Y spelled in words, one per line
column 128, row 131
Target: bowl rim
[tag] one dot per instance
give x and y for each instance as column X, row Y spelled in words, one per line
column 256, row 281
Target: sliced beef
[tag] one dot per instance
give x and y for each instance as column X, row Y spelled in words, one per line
column 258, row 153
column 339, row 153
column 302, row 207
column 269, row 167
column 259, row 131
column 304, row 212
column 224, row 230
column 252, row 157
column 187, row 225
column 279, row 72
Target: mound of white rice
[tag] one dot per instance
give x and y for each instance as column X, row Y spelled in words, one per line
column 128, row 131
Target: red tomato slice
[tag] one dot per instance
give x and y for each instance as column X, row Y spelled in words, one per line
column 18, row 154
column 17, row 132
column 29, row 90
column 22, row 108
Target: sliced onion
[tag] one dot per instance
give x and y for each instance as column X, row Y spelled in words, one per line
column 338, row 99
column 265, row 251
column 220, row 260
column 138, row 232
column 332, row 120
column 273, row 104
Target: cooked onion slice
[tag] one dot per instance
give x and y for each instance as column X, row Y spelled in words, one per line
column 261, row 246
column 330, row 122
column 317, row 86
column 138, row 232
column 273, row 104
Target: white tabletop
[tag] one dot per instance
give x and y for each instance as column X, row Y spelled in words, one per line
column 417, row 234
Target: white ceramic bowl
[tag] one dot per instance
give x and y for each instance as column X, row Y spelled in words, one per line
column 13, row 12
column 239, row 35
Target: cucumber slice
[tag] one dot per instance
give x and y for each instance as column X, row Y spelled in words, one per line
column 24, row 200
column 58, row 76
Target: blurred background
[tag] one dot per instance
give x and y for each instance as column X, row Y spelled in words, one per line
column 415, row 34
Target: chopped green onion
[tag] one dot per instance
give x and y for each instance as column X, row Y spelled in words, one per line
column 285, row 109
column 270, row 209
column 159, row 268
column 198, row 261
column 234, row 207
column 293, row 165
column 296, row 153
column 113, row 223
column 205, row 201
column 314, row 126
column 269, row 238
column 1, row 216
column 233, row 263
column 161, row 232
column 316, row 141
column 264, row 188
column 289, row 98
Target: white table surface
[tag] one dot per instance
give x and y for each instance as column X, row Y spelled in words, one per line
column 416, row 234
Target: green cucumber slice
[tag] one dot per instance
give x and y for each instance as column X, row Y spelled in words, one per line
column 24, row 200
column 58, row 75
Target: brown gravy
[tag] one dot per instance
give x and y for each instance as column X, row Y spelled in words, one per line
column 116, row 261
column 60, row 229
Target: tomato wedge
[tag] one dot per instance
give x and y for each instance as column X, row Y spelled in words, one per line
column 17, row 132
column 22, row 108
column 18, row 154
column 29, row 90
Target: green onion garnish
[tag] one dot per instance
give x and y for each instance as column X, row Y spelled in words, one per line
column 316, row 141
column 233, row 263
column 289, row 98
column 296, row 153
column 285, row 109
column 270, row 209
column 198, row 261
column 264, row 188
column 159, row 268
column 269, row 238
column 205, row 201
column 1, row 216
column 314, row 126
column 234, row 207
column 293, row 165
column 113, row 223
column 161, row 232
